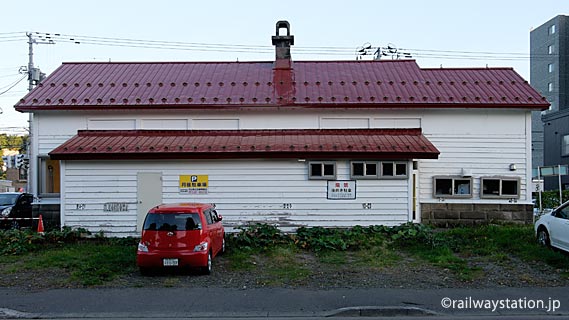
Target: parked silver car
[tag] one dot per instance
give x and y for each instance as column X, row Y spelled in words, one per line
column 552, row 229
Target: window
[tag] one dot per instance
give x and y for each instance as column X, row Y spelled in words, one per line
column 364, row 170
column 550, row 87
column 321, row 170
column 551, row 49
column 550, row 67
column 455, row 187
column 500, row 187
column 396, row 170
column 552, row 29
column 565, row 146
column 48, row 180
column 208, row 217
column 172, row 222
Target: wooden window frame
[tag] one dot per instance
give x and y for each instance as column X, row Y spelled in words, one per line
column 500, row 194
column 453, row 194
column 323, row 176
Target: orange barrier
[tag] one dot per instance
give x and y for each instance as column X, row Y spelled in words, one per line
column 40, row 225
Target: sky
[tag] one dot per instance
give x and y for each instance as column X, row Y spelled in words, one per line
column 447, row 33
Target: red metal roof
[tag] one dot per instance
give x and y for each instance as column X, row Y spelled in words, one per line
column 208, row 144
column 376, row 84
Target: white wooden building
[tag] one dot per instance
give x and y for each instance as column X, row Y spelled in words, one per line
column 294, row 143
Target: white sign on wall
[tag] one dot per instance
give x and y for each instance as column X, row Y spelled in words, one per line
column 341, row 190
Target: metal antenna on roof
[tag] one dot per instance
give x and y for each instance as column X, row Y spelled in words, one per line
column 363, row 50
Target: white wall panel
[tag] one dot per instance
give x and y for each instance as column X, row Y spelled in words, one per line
column 244, row 190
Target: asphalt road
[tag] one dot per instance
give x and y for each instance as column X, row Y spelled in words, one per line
column 218, row 303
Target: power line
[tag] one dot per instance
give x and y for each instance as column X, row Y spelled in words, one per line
column 12, row 85
column 218, row 47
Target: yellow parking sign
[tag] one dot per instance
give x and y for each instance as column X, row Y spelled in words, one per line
column 194, row 184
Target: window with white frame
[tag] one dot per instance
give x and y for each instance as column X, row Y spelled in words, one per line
column 551, row 49
column 452, row 187
column 322, row 170
column 499, row 187
column 48, row 176
column 550, row 86
column 550, row 67
column 552, row 29
column 364, row 169
column 393, row 170
column 565, row 145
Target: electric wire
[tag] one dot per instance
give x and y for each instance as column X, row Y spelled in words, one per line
column 12, row 85
column 244, row 48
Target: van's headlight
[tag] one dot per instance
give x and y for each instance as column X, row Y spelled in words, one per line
column 201, row 247
column 6, row 212
column 142, row 247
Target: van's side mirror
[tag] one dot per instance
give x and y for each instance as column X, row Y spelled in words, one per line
column 219, row 217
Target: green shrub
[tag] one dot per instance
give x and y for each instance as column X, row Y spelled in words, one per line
column 550, row 199
column 257, row 236
column 15, row 242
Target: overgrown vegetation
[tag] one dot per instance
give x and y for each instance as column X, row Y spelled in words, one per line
column 550, row 199
column 282, row 259
column 88, row 261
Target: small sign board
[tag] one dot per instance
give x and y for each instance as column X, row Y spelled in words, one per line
column 562, row 170
column 341, row 190
column 537, row 185
column 194, row 184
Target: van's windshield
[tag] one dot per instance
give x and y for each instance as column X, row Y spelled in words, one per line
column 172, row 222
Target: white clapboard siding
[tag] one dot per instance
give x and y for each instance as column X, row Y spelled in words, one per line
column 483, row 141
column 484, row 155
column 244, row 191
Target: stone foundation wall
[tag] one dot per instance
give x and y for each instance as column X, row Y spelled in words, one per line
column 460, row 214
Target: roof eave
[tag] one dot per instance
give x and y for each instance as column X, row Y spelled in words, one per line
column 245, row 155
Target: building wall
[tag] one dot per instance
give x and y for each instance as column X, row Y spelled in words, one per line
column 545, row 68
column 556, row 127
column 481, row 141
column 268, row 191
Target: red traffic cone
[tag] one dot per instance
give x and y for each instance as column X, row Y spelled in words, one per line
column 40, row 225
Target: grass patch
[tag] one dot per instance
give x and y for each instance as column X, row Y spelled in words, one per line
column 336, row 258
column 283, row 266
column 283, row 259
column 87, row 263
column 375, row 257
column 241, row 259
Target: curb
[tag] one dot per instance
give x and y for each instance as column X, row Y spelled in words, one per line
column 374, row 311
column 6, row 313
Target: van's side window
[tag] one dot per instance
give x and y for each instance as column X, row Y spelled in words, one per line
column 208, row 218
column 214, row 216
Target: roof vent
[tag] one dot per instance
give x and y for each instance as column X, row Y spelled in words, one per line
column 282, row 45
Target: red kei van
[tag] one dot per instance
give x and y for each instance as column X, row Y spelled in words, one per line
column 180, row 235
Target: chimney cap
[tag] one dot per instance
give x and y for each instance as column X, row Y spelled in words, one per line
column 287, row 39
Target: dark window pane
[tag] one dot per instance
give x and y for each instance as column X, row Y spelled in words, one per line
column 510, row 187
column 328, row 169
column 316, row 169
column 172, row 222
column 491, row 187
column 357, row 169
column 443, row 187
column 400, row 169
column 387, row 169
column 371, row 169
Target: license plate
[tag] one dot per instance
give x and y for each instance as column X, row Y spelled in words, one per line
column 170, row 262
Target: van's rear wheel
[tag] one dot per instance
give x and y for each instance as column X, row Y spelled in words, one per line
column 207, row 268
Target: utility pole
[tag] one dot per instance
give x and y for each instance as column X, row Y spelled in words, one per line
column 35, row 76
